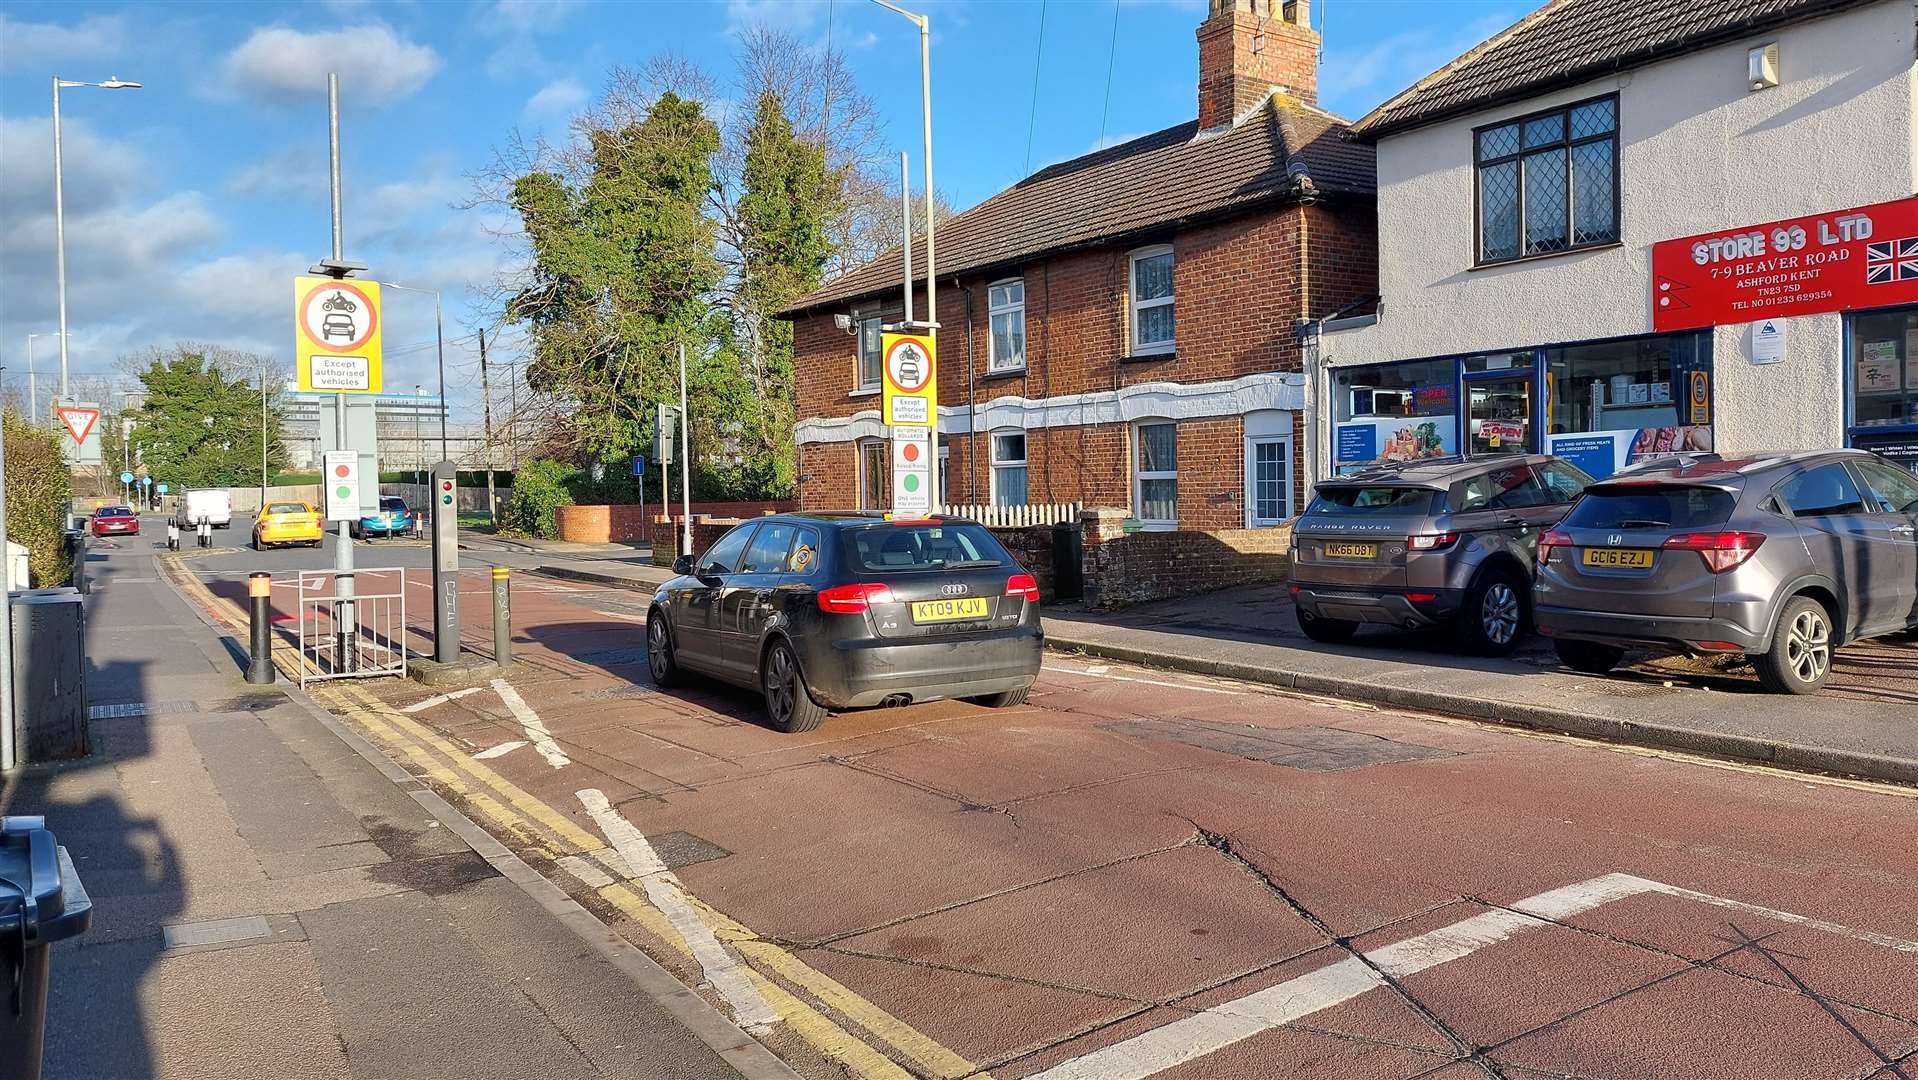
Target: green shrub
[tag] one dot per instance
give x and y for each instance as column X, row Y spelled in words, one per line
column 540, row 489
column 39, row 491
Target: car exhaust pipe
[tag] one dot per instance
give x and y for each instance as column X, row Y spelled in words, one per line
column 895, row 701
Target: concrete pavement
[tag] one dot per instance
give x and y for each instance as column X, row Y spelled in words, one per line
column 276, row 899
column 1152, row 874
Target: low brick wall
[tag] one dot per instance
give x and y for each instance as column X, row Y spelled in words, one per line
column 664, row 530
column 628, row 523
column 1124, row 568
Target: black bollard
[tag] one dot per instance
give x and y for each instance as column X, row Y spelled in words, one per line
column 259, row 592
column 502, row 618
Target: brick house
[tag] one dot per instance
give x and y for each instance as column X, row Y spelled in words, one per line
column 1121, row 329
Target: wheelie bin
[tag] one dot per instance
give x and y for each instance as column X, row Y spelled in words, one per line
column 41, row 902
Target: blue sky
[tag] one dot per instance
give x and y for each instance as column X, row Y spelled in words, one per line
column 192, row 202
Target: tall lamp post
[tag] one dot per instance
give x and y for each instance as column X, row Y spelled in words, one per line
column 60, row 208
column 439, row 339
column 931, row 322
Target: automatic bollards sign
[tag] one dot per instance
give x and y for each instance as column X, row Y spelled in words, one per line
column 911, row 470
column 336, row 335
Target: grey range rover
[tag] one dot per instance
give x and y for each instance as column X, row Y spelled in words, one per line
column 1441, row 543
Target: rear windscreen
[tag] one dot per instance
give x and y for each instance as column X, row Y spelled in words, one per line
column 1373, row 500
column 392, row 504
column 886, row 548
column 286, row 508
column 1675, row 507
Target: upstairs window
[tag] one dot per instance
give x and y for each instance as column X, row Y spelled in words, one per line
column 1548, row 182
column 1006, row 348
column 1151, row 278
column 870, row 361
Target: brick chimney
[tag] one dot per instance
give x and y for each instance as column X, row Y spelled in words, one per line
column 1248, row 47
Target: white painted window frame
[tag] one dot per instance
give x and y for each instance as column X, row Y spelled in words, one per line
column 994, row 464
column 860, row 384
column 993, row 311
column 1287, row 512
column 1140, row 476
column 1136, row 306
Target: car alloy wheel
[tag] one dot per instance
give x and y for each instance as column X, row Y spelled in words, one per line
column 659, row 657
column 781, row 679
column 1499, row 614
column 1808, row 645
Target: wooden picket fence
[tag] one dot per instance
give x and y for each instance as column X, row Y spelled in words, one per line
column 1015, row 517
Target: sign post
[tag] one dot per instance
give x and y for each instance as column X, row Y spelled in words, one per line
column 909, row 405
column 446, row 563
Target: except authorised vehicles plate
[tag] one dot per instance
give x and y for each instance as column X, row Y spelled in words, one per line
column 972, row 607
column 1637, row 558
column 1351, row 551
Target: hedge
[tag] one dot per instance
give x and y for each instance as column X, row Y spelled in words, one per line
column 39, row 493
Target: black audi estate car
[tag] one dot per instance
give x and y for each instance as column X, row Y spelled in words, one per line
column 822, row 611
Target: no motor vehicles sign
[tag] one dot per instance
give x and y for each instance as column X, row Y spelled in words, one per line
column 337, row 335
column 911, row 385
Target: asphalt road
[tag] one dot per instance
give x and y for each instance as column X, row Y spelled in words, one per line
column 1139, row 874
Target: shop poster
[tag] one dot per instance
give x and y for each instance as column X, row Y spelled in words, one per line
column 1602, row 453
column 1395, row 438
column 1877, row 368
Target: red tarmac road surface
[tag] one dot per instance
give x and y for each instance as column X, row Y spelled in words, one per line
column 1139, row 874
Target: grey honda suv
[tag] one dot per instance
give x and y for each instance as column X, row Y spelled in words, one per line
column 1778, row 558
column 1442, row 542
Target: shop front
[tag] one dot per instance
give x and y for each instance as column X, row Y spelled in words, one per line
column 1600, row 404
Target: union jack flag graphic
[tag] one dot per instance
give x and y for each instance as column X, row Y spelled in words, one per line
column 1891, row 260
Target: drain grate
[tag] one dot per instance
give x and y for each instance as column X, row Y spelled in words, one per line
column 1313, row 749
column 231, row 933
column 140, row 708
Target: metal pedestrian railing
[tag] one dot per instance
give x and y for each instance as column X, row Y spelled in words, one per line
column 359, row 638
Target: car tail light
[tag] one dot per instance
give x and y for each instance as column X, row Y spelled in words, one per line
column 1721, row 551
column 850, row 599
column 1550, row 540
column 1023, row 585
column 1431, row 541
column 1719, row 646
column 1421, row 597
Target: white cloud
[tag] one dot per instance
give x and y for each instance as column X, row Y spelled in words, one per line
column 98, row 170
column 32, row 45
column 793, row 15
column 1354, row 80
column 297, row 172
column 556, row 102
column 375, row 65
column 512, row 18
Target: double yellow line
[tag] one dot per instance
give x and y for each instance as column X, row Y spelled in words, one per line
column 817, row 1008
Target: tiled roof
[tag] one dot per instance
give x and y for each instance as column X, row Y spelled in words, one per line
column 1567, row 42
column 1156, row 180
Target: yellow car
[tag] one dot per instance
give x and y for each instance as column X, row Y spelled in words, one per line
column 288, row 523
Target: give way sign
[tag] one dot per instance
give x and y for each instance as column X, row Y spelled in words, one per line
column 78, row 420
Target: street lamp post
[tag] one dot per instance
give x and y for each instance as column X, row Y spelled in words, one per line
column 931, row 323
column 439, row 339
column 60, row 208
column 419, row 444
column 33, row 381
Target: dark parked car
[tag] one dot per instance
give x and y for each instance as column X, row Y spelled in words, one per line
column 840, row 611
column 1444, row 542
column 116, row 521
column 1779, row 558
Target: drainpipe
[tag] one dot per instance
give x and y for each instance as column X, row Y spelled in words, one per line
column 1317, row 378
column 972, row 407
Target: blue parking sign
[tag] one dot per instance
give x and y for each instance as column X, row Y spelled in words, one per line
column 639, row 464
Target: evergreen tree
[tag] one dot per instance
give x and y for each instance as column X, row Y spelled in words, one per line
column 200, row 423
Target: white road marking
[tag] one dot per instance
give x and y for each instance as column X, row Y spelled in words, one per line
column 592, row 876
column 620, row 615
column 722, row 970
column 1886, row 940
column 1222, row 1025
column 501, row 750
column 530, row 722
column 440, row 699
column 1102, row 673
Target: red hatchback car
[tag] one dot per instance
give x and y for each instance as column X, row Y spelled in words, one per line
column 116, row 521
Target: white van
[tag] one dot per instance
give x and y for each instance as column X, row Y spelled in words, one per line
column 213, row 504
